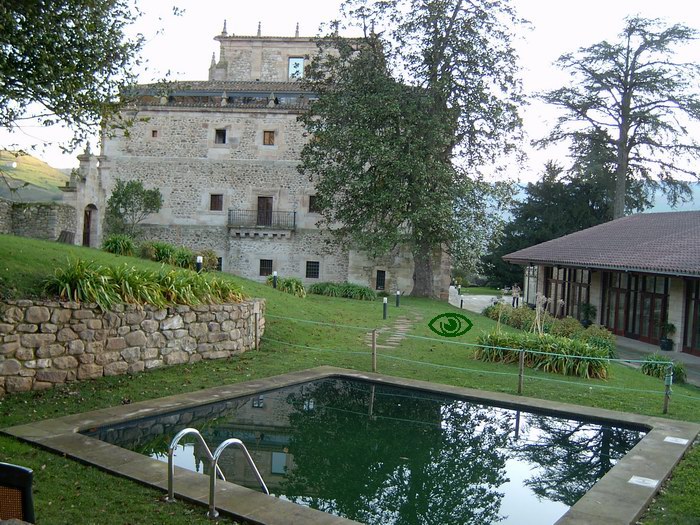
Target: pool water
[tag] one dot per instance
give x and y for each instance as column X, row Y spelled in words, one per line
column 386, row 455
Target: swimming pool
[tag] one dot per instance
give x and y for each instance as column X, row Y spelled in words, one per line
column 433, row 465
column 382, row 454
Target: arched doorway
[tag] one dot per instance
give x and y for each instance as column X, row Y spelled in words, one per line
column 89, row 224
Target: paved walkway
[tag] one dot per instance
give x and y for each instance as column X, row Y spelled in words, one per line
column 397, row 331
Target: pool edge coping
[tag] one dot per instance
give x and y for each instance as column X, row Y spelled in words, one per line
column 613, row 499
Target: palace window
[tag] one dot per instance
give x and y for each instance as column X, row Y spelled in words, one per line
column 296, row 67
column 313, row 269
column 313, row 204
column 265, row 267
column 268, row 138
column 216, row 202
column 220, row 136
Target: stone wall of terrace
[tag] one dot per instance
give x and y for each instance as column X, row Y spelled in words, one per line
column 44, row 343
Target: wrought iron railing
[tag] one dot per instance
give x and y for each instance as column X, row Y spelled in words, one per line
column 285, row 220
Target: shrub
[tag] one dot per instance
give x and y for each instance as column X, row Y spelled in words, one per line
column 601, row 337
column 522, row 318
column 548, row 353
column 656, row 365
column 163, row 252
column 183, row 257
column 119, row 244
column 348, row 290
column 147, row 251
column 290, row 285
column 566, row 327
column 86, row 282
column 81, row 281
column 210, row 261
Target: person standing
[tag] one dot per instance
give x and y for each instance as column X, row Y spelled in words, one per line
column 516, row 295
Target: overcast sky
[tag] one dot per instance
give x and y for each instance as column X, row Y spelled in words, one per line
column 185, row 45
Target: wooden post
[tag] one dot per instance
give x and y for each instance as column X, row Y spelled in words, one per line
column 521, row 370
column 256, row 331
column 669, row 383
column 374, row 350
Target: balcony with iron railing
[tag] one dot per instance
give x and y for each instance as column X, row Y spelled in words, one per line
column 264, row 219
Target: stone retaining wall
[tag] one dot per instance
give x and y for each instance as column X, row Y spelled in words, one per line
column 45, row 343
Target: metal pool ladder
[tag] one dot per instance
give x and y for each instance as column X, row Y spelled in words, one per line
column 214, row 464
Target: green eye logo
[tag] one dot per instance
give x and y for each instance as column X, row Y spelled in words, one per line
column 450, row 325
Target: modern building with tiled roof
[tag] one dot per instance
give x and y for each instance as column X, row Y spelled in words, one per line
column 640, row 272
column 224, row 153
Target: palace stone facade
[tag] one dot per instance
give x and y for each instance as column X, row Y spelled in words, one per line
column 224, row 154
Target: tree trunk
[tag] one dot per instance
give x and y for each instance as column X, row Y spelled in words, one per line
column 423, row 272
column 621, row 175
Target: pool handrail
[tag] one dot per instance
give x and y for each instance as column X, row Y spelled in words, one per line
column 215, row 462
column 171, row 466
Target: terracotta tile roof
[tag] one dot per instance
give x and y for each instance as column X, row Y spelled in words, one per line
column 667, row 243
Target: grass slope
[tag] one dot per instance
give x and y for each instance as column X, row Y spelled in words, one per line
column 68, row 492
column 44, row 180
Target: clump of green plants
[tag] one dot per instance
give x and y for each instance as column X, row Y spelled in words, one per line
column 83, row 281
column 656, row 365
column 566, row 327
column 183, row 257
column 601, row 337
column 549, row 353
column 347, row 290
column 119, row 244
column 210, row 261
column 290, row 285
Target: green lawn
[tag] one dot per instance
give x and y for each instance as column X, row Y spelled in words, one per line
column 68, row 492
column 480, row 290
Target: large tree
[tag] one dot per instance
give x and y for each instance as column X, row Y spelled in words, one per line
column 64, row 61
column 642, row 97
column 405, row 118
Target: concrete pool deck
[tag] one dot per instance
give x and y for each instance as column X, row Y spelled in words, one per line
column 620, row 497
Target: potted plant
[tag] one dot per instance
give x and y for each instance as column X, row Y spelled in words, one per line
column 588, row 313
column 667, row 331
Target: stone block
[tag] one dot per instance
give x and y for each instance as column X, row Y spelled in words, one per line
column 134, row 318
column 227, row 326
column 94, row 324
column 66, row 334
column 176, row 358
column 6, row 328
column 107, row 357
column 179, row 334
column 24, row 354
column 152, row 363
column 86, row 359
column 155, row 340
column 65, row 362
column 94, row 347
column 188, row 344
column 195, row 358
column 72, row 374
column 149, row 326
column 27, row 328
column 189, row 317
column 37, row 315
column 87, row 335
column 89, row 371
column 60, row 316
column 137, row 338
column 135, row 368
column 83, row 314
column 12, row 315
column 10, row 367
column 48, row 328
column 26, row 372
column 182, row 308
column 198, row 330
column 123, row 330
column 54, row 350
column 214, row 327
column 76, row 347
column 221, row 354
column 204, row 347
column 37, row 340
column 112, row 320
column 200, row 308
column 116, row 343
column 205, row 318
column 9, row 348
column 160, row 315
column 51, row 376
column 38, row 363
column 102, row 335
column 222, row 316
column 41, row 385
column 131, row 355
column 116, row 369
column 18, row 384
column 150, row 353
column 172, row 323
column 215, row 337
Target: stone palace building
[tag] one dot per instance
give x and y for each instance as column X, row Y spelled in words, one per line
column 224, row 154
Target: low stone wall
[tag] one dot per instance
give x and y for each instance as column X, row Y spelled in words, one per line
column 46, row 343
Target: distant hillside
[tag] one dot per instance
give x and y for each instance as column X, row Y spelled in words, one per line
column 43, row 180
